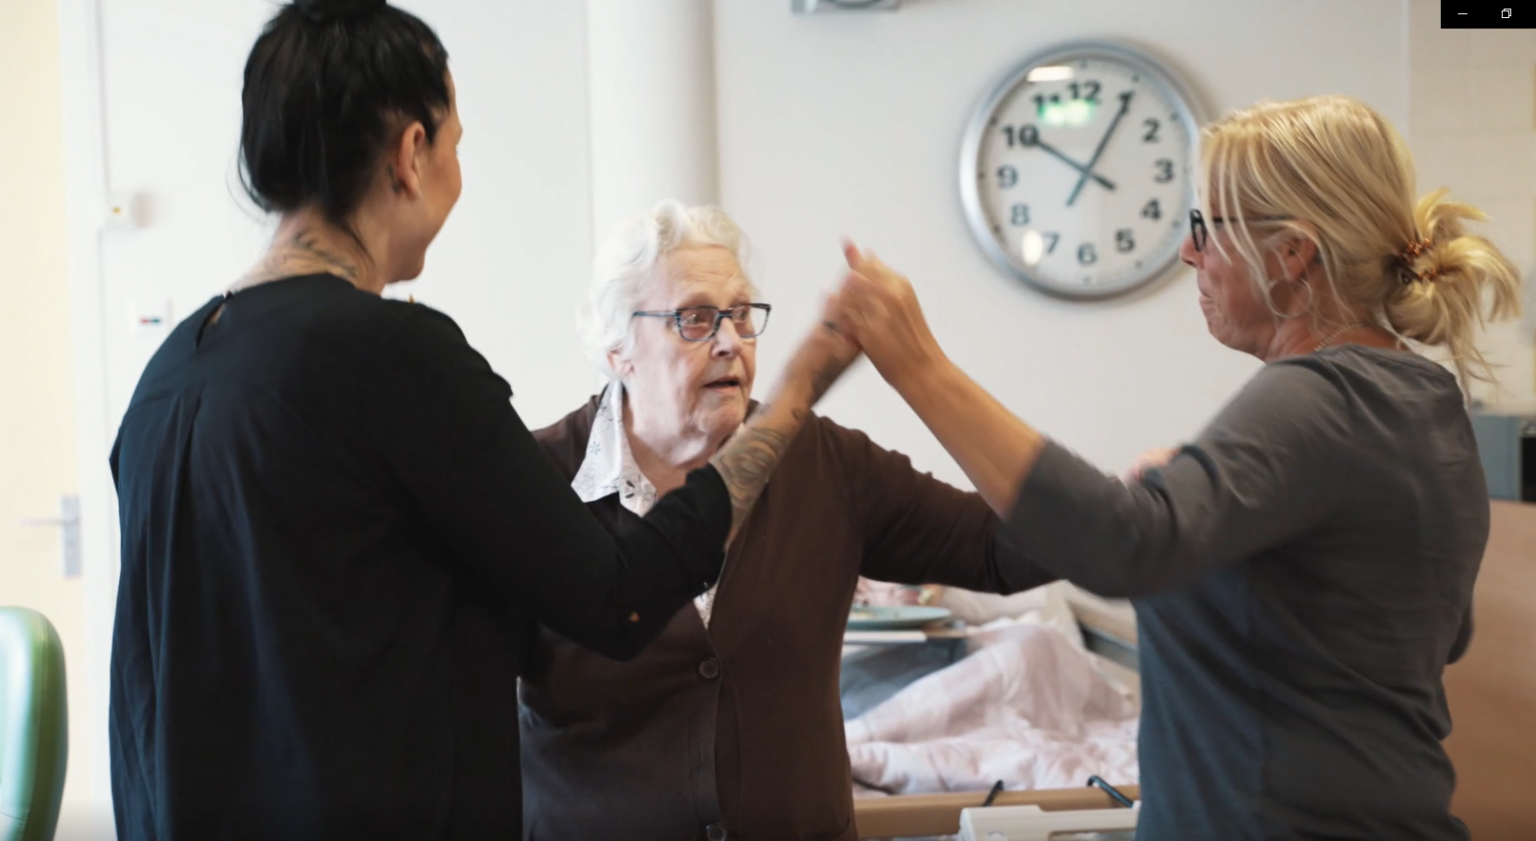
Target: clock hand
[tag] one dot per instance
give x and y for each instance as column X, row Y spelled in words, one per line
column 1056, row 153
column 1125, row 105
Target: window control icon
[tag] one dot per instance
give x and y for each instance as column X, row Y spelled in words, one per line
column 1464, row 14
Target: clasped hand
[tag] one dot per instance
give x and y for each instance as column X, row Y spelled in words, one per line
column 876, row 308
column 874, row 311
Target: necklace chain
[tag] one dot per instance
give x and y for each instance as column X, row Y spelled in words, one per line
column 1334, row 336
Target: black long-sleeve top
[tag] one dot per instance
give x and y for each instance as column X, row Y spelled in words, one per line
column 337, row 536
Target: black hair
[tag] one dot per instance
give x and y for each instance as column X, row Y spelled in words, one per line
column 327, row 86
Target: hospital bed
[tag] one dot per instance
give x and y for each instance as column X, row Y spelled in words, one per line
column 1109, row 631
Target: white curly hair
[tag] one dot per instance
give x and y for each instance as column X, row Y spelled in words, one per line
column 627, row 260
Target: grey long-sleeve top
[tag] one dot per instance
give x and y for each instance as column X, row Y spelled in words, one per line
column 1302, row 573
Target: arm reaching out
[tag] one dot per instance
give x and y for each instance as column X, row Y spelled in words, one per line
column 1227, row 495
column 877, row 307
column 747, row 460
column 1148, row 460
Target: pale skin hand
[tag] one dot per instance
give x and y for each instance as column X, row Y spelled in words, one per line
column 750, row 456
column 885, row 318
column 878, row 308
column 1148, row 460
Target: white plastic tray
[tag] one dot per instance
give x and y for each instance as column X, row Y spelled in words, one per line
column 1031, row 823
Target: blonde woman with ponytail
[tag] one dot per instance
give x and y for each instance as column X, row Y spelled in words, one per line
column 1303, row 569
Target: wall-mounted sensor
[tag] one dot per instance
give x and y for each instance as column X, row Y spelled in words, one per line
column 153, row 318
column 124, row 211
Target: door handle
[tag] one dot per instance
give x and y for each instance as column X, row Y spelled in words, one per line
column 68, row 523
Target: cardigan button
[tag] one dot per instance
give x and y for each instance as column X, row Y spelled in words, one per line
column 709, row 670
column 716, row 832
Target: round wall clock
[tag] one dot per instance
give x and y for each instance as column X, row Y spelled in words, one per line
column 1076, row 171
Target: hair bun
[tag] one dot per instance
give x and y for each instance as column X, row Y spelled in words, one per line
column 325, row 11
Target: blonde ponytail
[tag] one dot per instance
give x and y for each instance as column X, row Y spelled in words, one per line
column 1450, row 283
column 1331, row 170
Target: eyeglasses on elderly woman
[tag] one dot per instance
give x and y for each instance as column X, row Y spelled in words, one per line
column 699, row 324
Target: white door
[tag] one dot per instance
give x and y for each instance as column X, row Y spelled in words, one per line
column 37, row 442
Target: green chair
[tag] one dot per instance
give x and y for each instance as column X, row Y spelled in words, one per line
column 34, row 726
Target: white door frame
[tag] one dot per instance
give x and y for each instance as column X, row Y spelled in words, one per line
column 87, row 185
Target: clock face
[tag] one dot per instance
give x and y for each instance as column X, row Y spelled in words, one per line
column 1076, row 172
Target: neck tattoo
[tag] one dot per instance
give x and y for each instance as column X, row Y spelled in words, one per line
column 304, row 253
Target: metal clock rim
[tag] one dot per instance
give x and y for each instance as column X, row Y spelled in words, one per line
column 970, row 152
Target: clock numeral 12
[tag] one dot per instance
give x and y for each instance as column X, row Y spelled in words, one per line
column 1087, row 92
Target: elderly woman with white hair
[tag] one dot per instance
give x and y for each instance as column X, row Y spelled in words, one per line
column 729, row 725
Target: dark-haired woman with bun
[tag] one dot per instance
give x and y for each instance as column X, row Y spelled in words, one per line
column 337, row 534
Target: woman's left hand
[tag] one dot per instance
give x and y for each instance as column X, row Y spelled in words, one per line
column 823, row 355
column 1148, row 460
column 878, row 307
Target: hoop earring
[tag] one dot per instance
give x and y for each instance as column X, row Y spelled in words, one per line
column 1304, row 310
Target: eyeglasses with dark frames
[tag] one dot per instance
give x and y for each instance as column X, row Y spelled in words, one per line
column 700, row 324
column 1202, row 234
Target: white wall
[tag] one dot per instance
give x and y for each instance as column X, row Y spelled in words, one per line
column 508, row 264
column 651, row 106
column 512, row 262
column 851, row 123
column 1473, row 130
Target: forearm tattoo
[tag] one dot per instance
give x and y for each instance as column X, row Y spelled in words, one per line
column 748, row 459
column 825, row 376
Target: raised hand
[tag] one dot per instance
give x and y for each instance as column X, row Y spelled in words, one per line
column 1148, row 460
column 750, row 456
column 825, row 353
column 878, row 307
